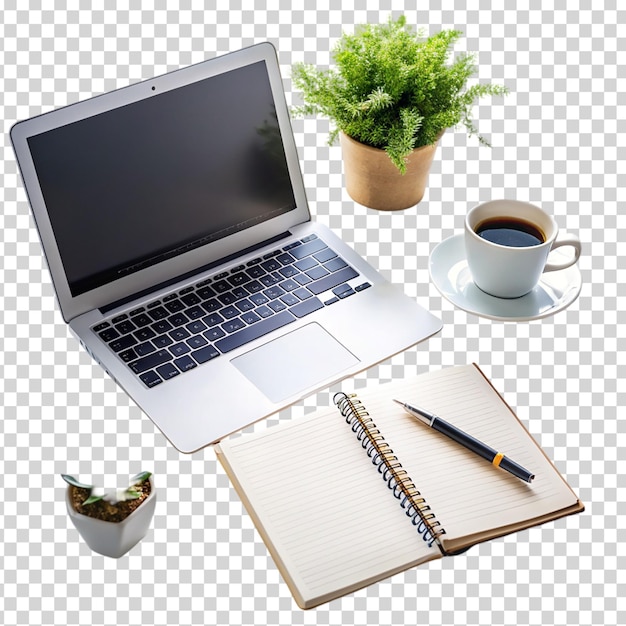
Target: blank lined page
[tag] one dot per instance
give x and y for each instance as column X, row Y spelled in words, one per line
column 467, row 494
column 325, row 512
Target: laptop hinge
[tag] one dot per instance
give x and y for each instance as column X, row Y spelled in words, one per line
column 146, row 292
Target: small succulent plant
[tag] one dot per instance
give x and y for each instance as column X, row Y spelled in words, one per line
column 112, row 497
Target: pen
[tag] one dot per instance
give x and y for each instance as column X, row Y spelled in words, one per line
column 471, row 443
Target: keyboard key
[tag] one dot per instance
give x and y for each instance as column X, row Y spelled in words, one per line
column 229, row 312
column 244, row 305
column 249, row 333
column 271, row 279
column 328, row 282
column 258, row 299
column 151, row 361
column 317, row 272
column 254, row 287
column 291, row 246
column 325, row 255
column 306, row 307
column 178, row 349
column 196, row 342
column 214, row 333
column 145, row 348
column 175, row 305
column 195, row 327
column 289, row 285
column 161, row 327
column 256, row 271
column 288, row 271
column 273, row 292
column 195, row 312
column 213, row 320
column 210, row 306
column 205, row 293
column 250, row 317
column 128, row 355
column 341, row 289
column 125, row 327
column 190, row 299
column 167, row 371
column 163, row 341
column 239, row 279
column 263, row 311
column 99, row 327
column 335, row 264
column 227, row 298
column 233, row 325
column 289, row 299
column 308, row 248
column 151, row 379
column 277, row 305
column 306, row 264
column 108, row 334
column 143, row 334
column 158, row 313
column 185, row 363
column 205, row 354
column 362, row 287
column 178, row 319
column 302, row 279
column 178, row 334
column 221, row 286
column 272, row 265
column 303, row 293
column 122, row 343
column 285, row 258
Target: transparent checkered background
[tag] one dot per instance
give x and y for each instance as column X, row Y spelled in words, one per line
column 558, row 140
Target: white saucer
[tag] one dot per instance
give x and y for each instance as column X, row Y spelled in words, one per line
column 450, row 274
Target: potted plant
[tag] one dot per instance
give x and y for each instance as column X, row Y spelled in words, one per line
column 391, row 97
column 111, row 523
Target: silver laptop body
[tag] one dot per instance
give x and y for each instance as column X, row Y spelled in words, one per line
column 175, row 225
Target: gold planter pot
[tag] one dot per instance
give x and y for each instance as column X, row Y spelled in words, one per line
column 375, row 182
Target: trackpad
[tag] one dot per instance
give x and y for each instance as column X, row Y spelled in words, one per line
column 294, row 362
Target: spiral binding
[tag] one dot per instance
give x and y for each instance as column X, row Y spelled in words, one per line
column 388, row 465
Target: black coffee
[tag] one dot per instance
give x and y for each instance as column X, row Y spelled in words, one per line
column 507, row 231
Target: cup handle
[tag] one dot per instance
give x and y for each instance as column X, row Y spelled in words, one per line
column 565, row 240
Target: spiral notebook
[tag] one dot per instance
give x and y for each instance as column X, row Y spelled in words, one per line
column 356, row 493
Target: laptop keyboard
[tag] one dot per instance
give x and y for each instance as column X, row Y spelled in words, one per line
column 182, row 330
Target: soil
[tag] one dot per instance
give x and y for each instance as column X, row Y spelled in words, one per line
column 105, row 511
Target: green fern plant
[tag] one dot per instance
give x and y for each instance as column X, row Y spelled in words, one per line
column 392, row 88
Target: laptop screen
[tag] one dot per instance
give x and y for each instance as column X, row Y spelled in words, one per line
column 145, row 182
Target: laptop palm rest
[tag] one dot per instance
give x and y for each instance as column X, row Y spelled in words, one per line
column 294, row 362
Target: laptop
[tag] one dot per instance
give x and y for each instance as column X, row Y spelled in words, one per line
column 175, row 225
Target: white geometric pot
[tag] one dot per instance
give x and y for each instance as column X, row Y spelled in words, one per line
column 113, row 539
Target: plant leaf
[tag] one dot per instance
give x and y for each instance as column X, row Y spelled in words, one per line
column 393, row 88
column 70, row 480
column 139, row 478
column 92, row 499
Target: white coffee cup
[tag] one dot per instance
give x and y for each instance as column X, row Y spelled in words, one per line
column 507, row 271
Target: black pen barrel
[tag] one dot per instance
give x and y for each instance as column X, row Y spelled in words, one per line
column 516, row 469
column 471, row 443
column 482, row 449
